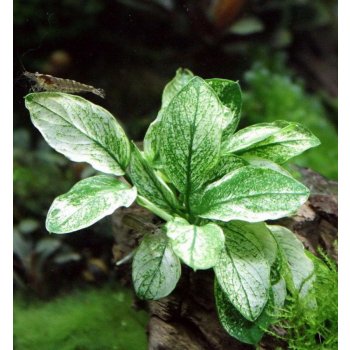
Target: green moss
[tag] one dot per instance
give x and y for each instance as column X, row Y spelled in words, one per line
column 271, row 96
column 100, row 319
column 310, row 327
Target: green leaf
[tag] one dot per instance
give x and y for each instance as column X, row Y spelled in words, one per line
column 243, row 272
column 279, row 291
column 298, row 268
column 155, row 268
column 265, row 163
column 239, row 327
column 226, row 164
column 181, row 79
column 250, row 135
column 87, row 202
column 278, row 141
column 262, row 234
column 81, row 130
column 229, row 93
column 150, row 143
column 144, row 202
column 190, row 136
column 148, row 183
column 198, row 246
column 251, row 194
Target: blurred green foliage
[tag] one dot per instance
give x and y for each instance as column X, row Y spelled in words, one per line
column 305, row 327
column 39, row 174
column 101, row 319
column 272, row 95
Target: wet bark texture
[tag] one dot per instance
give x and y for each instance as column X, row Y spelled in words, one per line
column 187, row 320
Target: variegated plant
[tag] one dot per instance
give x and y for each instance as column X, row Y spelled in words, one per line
column 212, row 186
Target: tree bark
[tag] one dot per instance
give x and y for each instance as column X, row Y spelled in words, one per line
column 187, row 319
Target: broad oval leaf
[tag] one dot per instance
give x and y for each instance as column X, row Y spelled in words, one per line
column 298, row 268
column 229, row 93
column 150, row 143
column 198, row 246
column 251, row 194
column 148, row 183
column 278, row 141
column 87, row 202
column 239, row 327
column 190, row 135
column 251, row 135
column 243, row 272
column 262, row 234
column 155, row 269
column 81, row 130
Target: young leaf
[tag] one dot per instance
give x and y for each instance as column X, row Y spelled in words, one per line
column 198, row 246
column 251, row 194
column 182, row 78
column 155, row 268
column 81, row 130
column 148, row 183
column 150, row 143
column 229, row 93
column 278, row 141
column 87, row 202
column 190, row 135
column 243, row 272
column 241, row 328
column 297, row 269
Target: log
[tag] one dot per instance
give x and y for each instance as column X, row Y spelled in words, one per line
column 187, row 319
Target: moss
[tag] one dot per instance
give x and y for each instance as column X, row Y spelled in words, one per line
column 309, row 327
column 85, row 320
column 271, row 96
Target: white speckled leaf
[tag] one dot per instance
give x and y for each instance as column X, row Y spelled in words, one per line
column 149, row 185
column 243, row 272
column 81, row 130
column 251, row 194
column 297, row 268
column 262, row 234
column 190, row 136
column 182, row 78
column 87, row 202
column 278, row 141
column 225, row 165
column 250, row 135
column 155, row 269
column 150, row 143
column 265, row 163
column 229, row 93
column 198, row 246
column 239, row 327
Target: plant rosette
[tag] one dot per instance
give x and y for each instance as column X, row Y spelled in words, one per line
column 213, row 187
